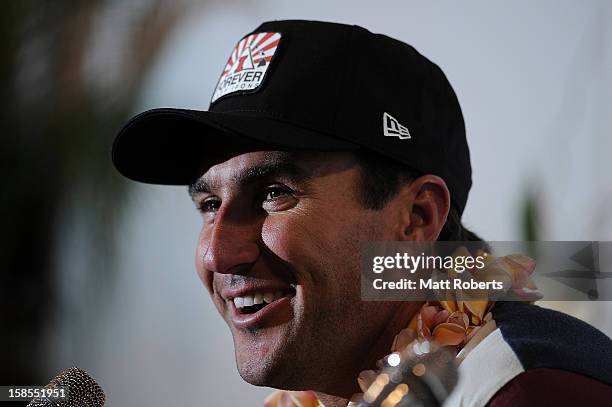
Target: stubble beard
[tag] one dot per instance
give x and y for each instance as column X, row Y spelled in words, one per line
column 323, row 353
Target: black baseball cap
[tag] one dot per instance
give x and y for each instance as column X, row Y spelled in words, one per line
column 313, row 86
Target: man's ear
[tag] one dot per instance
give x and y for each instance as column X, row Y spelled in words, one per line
column 423, row 206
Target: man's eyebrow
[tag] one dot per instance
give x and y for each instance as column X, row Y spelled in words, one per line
column 277, row 167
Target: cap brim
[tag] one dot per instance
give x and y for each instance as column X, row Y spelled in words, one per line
column 176, row 146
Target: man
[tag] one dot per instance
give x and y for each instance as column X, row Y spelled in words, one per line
column 319, row 137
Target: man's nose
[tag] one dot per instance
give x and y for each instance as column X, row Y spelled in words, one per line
column 230, row 246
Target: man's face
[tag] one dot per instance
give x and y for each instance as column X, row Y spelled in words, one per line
column 279, row 251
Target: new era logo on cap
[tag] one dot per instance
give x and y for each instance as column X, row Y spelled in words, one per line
column 392, row 128
column 247, row 65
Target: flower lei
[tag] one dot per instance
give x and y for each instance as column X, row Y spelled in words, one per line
column 450, row 322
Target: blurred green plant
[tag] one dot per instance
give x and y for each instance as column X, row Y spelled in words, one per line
column 70, row 74
column 530, row 218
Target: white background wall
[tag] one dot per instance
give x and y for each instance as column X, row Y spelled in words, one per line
column 534, row 82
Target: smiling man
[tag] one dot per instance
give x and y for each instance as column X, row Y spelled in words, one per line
column 320, row 137
column 279, row 251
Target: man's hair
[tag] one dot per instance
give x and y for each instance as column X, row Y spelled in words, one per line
column 381, row 179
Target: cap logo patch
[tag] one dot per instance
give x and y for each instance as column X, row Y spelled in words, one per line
column 392, row 128
column 247, row 65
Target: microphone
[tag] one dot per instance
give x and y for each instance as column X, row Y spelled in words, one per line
column 423, row 375
column 81, row 389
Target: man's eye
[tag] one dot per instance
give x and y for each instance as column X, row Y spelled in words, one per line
column 273, row 193
column 209, row 205
column 278, row 198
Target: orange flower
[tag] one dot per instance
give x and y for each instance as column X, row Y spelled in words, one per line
column 437, row 321
column 453, row 322
column 281, row 398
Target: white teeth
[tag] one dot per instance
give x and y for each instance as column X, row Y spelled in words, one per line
column 258, row 298
column 248, row 300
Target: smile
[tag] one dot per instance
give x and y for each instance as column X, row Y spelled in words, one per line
column 249, row 310
column 250, row 304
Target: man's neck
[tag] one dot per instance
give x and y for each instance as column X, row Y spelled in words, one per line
column 380, row 349
column 400, row 320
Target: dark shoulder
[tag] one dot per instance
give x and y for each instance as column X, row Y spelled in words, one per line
column 547, row 339
column 552, row 387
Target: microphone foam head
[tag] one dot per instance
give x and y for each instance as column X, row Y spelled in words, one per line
column 83, row 391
